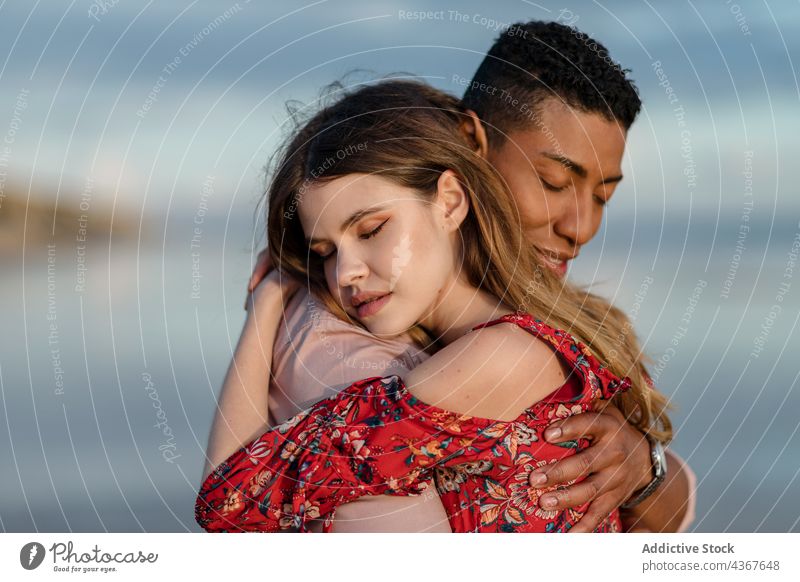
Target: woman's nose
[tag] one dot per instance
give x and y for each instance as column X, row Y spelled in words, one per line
column 350, row 268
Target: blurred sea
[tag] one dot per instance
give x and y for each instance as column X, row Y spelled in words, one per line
column 91, row 378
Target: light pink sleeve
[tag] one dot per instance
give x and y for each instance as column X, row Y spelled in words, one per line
column 691, row 502
column 316, row 355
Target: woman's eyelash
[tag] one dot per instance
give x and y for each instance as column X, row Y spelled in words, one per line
column 365, row 236
column 372, row 233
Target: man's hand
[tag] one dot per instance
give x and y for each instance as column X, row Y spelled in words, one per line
column 617, row 464
column 262, row 267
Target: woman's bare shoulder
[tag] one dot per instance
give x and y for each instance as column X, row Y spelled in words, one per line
column 493, row 372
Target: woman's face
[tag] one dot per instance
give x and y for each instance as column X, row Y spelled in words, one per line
column 388, row 257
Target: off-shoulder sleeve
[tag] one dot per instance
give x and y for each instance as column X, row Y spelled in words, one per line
column 372, row 438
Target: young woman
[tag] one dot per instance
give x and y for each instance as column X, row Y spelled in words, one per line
column 411, row 232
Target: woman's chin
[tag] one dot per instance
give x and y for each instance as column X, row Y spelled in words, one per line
column 385, row 328
column 383, row 324
column 385, row 331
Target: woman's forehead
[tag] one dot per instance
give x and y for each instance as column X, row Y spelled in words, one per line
column 331, row 203
column 347, row 193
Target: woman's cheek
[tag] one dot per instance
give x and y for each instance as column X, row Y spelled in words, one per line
column 404, row 257
column 330, row 279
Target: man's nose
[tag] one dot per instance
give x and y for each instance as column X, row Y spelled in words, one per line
column 575, row 218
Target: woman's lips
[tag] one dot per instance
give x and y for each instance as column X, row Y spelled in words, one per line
column 372, row 307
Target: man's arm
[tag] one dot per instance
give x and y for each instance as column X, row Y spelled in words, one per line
column 668, row 508
column 617, row 464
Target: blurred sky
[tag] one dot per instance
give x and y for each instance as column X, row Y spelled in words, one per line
column 219, row 112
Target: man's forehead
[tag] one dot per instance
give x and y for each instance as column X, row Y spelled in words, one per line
column 573, row 138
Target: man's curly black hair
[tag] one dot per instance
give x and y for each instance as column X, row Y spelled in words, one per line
column 533, row 61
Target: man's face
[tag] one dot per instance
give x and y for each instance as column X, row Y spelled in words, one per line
column 562, row 170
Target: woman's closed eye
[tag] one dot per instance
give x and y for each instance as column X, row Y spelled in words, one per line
column 326, row 253
column 374, row 231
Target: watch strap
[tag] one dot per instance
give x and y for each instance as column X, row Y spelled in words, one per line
column 659, row 468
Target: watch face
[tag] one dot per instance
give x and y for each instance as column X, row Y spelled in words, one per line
column 659, row 460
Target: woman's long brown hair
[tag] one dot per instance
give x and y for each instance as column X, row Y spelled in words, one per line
column 409, row 133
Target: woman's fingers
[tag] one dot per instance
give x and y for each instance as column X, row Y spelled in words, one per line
column 262, row 267
column 260, row 270
column 272, row 283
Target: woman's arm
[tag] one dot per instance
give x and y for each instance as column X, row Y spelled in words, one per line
column 376, row 437
column 616, row 463
column 242, row 409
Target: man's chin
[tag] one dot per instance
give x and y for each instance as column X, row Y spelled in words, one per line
column 559, row 268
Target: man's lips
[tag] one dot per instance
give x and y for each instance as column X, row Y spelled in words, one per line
column 558, row 262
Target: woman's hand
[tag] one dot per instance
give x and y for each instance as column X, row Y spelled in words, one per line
column 271, row 285
column 262, row 267
column 617, row 464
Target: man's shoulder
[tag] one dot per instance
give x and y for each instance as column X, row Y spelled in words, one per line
column 308, row 321
column 304, row 311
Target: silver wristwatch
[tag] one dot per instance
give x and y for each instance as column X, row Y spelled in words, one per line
column 659, row 459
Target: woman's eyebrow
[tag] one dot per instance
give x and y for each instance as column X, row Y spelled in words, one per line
column 353, row 218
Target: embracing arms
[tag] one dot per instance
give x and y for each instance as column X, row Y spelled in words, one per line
column 617, row 464
column 377, row 437
column 242, row 411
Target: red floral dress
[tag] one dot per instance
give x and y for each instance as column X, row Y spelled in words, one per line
column 375, row 438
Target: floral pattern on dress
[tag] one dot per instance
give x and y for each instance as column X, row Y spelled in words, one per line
column 376, row 438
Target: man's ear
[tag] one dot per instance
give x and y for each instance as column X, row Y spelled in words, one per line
column 452, row 199
column 476, row 133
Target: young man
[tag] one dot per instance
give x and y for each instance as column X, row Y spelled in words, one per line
column 551, row 112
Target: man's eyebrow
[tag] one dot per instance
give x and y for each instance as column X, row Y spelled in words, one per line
column 567, row 163
column 353, row 218
column 576, row 168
